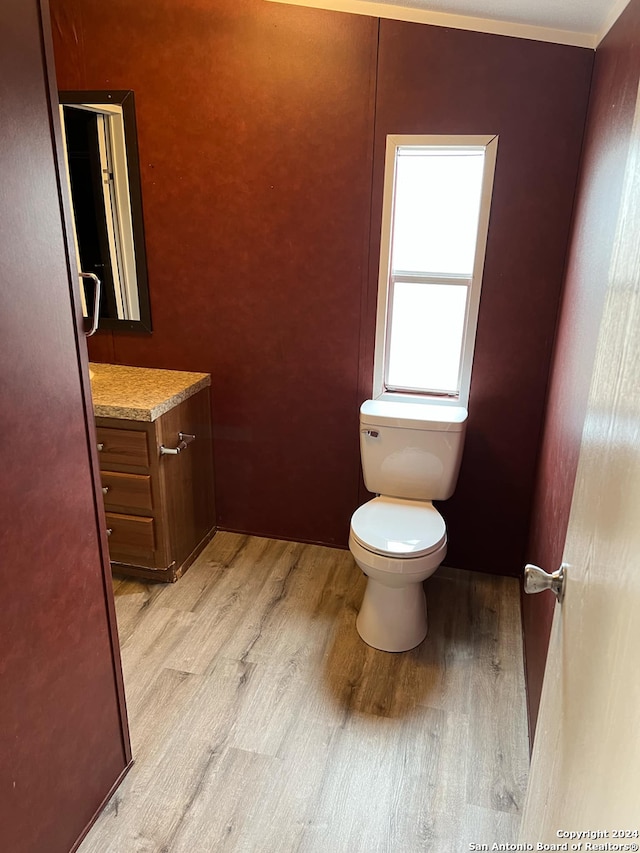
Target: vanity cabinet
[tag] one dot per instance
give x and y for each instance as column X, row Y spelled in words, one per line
column 157, row 479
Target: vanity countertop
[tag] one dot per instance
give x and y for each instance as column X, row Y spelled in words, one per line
column 141, row 393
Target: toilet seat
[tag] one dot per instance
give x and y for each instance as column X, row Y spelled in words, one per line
column 399, row 529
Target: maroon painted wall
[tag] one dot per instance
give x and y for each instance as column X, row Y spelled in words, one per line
column 534, row 95
column 611, row 110
column 255, row 135
column 63, row 733
column 262, row 194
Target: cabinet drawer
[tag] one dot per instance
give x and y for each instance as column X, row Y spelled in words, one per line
column 127, row 490
column 131, row 536
column 122, row 446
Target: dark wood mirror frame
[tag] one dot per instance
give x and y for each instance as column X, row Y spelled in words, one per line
column 125, row 98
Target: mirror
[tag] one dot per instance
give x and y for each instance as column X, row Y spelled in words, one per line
column 103, row 171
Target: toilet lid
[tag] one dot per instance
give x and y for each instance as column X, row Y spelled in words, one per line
column 397, row 527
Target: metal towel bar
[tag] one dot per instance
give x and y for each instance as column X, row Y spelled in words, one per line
column 184, row 440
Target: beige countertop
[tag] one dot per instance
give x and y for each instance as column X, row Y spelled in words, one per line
column 140, row 393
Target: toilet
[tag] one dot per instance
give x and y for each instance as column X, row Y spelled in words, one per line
column 411, row 455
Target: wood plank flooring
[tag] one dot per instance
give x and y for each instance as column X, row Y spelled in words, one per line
column 261, row 722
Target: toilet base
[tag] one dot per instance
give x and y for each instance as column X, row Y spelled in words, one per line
column 393, row 619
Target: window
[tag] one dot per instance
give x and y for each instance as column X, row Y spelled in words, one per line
column 434, row 230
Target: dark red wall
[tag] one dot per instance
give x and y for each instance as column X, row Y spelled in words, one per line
column 262, row 199
column 255, row 134
column 63, row 732
column 534, row 95
column 611, row 111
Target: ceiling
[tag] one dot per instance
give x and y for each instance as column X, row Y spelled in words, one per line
column 578, row 22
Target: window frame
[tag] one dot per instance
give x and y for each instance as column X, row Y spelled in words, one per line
column 387, row 278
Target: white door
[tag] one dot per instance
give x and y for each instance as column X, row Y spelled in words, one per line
column 585, row 773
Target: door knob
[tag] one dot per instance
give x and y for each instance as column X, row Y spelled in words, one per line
column 537, row 580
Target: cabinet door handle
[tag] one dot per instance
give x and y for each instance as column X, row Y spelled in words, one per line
column 96, row 302
column 100, row 447
column 105, row 489
column 109, row 531
column 184, row 440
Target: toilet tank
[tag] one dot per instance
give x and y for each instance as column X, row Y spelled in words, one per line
column 411, row 450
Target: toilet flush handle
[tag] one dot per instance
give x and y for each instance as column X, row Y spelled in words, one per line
column 372, row 433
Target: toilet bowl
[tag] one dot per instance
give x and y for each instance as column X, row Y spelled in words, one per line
column 398, row 544
column 411, row 455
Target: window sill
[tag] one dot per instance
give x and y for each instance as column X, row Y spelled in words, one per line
column 421, row 399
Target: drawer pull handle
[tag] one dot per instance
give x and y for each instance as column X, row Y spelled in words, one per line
column 184, row 440
column 105, row 490
column 100, row 447
column 109, row 531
